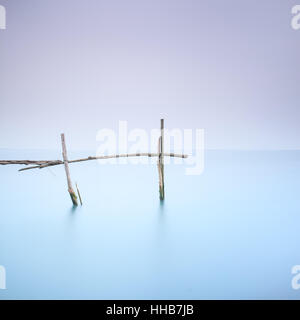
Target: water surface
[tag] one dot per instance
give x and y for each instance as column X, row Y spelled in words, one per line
column 230, row 233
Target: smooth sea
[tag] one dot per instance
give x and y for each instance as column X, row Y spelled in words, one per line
column 232, row 232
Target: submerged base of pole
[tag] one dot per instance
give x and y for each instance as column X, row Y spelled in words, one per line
column 161, row 193
column 73, row 197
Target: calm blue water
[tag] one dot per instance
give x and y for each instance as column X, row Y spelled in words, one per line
column 230, row 233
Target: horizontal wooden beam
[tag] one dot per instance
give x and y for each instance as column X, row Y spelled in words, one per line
column 40, row 164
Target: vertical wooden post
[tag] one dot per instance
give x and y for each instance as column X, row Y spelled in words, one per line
column 160, row 176
column 161, row 161
column 78, row 192
column 65, row 157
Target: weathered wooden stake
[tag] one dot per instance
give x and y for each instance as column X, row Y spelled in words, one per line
column 65, row 157
column 160, row 176
column 161, row 161
column 79, row 195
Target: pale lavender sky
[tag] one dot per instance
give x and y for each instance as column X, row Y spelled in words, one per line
column 230, row 67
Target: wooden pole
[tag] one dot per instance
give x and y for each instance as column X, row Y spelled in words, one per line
column 79, row 195
column 160, row 176
column 161, row 161
column 65, row 157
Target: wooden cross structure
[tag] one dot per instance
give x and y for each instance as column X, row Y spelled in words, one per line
column 36, row 164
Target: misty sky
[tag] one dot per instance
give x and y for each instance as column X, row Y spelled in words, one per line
column 230, row 67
